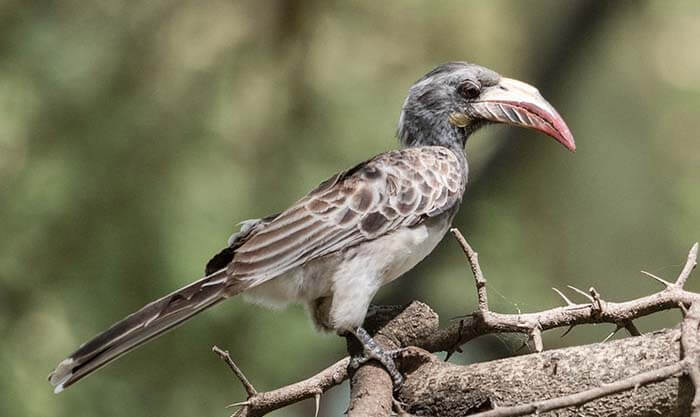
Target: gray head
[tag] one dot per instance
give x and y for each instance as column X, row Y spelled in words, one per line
column 453, row 100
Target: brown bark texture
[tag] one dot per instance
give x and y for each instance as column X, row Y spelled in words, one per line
column 438, row 388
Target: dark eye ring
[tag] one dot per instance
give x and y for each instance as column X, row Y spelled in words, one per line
column 469, row 89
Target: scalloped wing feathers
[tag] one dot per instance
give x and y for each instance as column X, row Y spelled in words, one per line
column 392, row 190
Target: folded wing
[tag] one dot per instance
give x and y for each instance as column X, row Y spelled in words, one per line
column 393, row 190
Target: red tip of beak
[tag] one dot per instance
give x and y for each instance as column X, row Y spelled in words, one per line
column 548, row 122
column 520, row 104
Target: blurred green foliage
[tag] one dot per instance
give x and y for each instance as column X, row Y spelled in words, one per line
column 134, row 136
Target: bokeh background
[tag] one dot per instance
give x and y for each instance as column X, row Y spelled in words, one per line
column 135, row 135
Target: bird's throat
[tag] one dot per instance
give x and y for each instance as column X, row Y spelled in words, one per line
column 416, row 130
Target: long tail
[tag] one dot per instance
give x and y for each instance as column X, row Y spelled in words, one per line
column 138, row 328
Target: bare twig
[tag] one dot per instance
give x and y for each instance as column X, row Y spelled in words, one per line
column 224, row 355
column 689, row 266
column 473, row 259
column 264, row 402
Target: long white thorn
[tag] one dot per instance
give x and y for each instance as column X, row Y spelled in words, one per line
column 240, row 404
column 566, row 299
column 583, row 293
column 317, row 399
column 661, row 280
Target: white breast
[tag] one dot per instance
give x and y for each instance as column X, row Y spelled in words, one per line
column 397, row 253
column 368, row 266
column 352, row 277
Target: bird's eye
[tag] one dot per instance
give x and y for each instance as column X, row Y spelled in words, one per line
column 469, row 89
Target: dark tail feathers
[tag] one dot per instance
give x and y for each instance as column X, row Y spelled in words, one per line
column 149, row 322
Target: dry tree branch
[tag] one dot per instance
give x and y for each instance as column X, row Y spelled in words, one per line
column 261, row 403
column 599, row 308
column 412, row 326
column 688, row 365
column 226, row 357
column 479, row 280
column 450, row 390
column 597, row 311
column 588, row 395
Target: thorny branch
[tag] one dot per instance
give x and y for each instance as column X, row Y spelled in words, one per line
column 226, row 357
column 484, row 321
column 261, row 403
column 688, row 365
column 595, row 311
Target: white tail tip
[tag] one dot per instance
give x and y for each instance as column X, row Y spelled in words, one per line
column 62, row 373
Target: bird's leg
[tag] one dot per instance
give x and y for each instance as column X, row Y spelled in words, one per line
column 371, row 350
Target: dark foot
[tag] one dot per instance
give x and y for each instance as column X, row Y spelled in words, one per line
column 371, row 350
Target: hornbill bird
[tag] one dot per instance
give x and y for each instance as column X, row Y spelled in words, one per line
column 357, row 231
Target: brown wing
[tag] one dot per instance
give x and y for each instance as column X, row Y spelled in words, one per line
column 392, row 190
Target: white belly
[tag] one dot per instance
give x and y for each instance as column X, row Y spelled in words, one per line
column 391, row 256
column 377, row 263
column 352, row 277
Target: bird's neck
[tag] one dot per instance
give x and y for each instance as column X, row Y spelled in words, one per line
column 417, row 130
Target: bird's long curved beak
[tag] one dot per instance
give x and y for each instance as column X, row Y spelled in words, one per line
column 520, row 104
